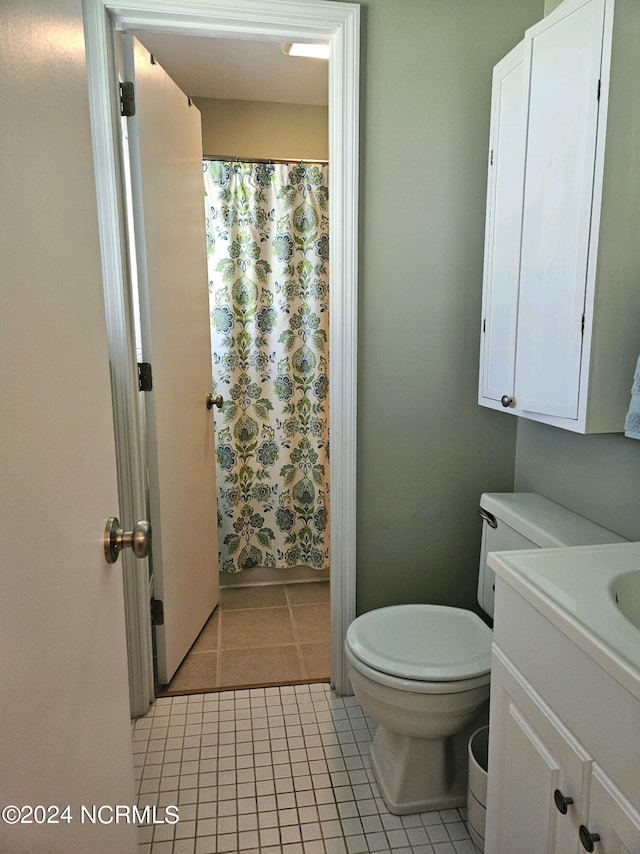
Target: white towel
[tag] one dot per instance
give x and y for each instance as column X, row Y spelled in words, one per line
column 632, row 421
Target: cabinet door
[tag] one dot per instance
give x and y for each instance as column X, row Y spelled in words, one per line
column 504, row 217
column 531, row 755
column 612, row 817
column 559, row 168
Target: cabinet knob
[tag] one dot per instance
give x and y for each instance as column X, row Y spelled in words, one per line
column 506, row 401
column 587, row 838
column 561, row 801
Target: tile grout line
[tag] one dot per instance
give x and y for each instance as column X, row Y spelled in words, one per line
column 343, row 734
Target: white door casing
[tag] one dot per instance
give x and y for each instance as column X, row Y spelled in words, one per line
column 64, row 705
column 165, row 151
column 337, row 23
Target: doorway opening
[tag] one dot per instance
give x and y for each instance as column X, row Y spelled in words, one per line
column 338, row 24
column 267, row 237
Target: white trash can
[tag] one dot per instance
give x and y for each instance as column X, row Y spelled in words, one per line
column 477, row 792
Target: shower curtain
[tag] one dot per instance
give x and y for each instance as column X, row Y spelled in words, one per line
column 268, row 250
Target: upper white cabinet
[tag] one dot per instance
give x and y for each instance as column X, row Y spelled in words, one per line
column 561, row 300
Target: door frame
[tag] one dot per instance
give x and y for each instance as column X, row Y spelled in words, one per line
column 281, row 21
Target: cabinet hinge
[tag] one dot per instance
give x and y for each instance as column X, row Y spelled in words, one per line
column 491, row 158
column 157, row 612
column 599, row 85
column 127, row 100
column 582, row 326
column 145, row 379
column 484, row 324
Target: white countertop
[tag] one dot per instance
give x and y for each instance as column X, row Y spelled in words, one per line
column 571, row 588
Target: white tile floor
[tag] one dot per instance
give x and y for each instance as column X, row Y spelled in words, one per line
column 273, row 770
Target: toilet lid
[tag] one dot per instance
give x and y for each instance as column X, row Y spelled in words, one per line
column 430, row 643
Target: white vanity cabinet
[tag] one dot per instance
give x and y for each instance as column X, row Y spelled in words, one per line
column 564, row 746
column 561, row 299
column 549, row 794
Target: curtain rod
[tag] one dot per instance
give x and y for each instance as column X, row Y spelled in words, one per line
column 266, row 160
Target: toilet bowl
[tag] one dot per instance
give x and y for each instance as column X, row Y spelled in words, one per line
column 422, row 672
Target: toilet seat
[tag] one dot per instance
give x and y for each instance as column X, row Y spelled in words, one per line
column 421, row 643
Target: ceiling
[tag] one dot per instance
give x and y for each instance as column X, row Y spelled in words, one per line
column 237, row 69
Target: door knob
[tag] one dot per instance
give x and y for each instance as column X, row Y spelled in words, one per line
column 214, row 401
column 115, row 539
column 506, row 401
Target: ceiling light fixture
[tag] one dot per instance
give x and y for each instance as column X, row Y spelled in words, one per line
column 313, row 50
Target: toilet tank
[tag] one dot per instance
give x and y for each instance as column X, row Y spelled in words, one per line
column 525, row 520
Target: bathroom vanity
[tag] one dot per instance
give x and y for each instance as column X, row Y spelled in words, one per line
column 564, row 746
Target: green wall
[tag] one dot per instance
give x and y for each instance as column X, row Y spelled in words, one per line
column 426, row 449
column 597, row 476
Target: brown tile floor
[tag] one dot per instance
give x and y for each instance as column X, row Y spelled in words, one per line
column 260, row 636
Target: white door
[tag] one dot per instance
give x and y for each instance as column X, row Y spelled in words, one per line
column 165, row 142
column 532, row 757
column 64, row 703
column 563, row 116
column 504, row 222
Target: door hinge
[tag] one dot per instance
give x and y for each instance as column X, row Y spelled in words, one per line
column 599, row 85
column 157, row 612
column 127, row 100
column 145, row 379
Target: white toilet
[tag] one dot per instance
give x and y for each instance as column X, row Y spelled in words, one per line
column 422, row 672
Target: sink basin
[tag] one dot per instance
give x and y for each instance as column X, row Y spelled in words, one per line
column 625, row 590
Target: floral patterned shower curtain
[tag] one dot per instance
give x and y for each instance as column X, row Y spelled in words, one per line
column 268, row 249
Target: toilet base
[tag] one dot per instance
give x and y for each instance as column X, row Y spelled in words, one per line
column 419, row 753
column 417, row 774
